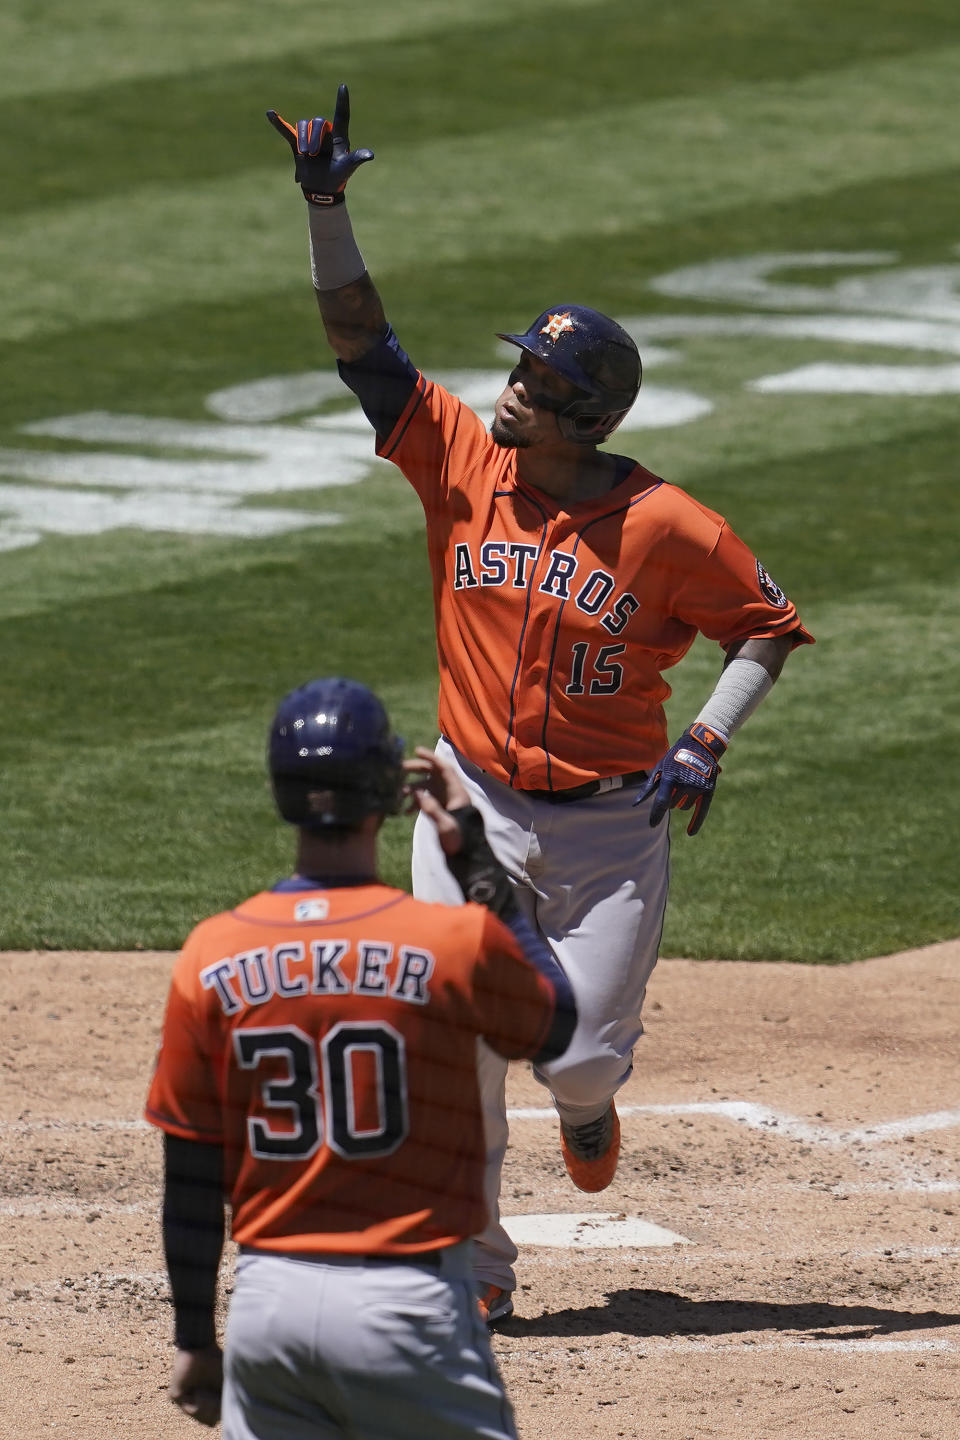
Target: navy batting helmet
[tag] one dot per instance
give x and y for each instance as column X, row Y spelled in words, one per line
column 332, row 756
column 594, row 353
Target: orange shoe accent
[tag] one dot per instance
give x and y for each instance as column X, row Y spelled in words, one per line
column 591, row 1151
column 494, row 1303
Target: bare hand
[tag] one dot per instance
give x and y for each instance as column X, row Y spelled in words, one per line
column 435, row 788
column 196, row 1382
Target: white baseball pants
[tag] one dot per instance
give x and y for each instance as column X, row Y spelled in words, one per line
column 327, row 1347
column 592, row 875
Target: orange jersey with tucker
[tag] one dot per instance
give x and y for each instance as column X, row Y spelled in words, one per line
column 555, row 624
column 326, row 1038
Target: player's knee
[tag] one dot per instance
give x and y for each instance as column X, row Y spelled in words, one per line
column 587, row 1080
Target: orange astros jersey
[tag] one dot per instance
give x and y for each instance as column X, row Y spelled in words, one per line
column 326, row 1038
column 553, row 625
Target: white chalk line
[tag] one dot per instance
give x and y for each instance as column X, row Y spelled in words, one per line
column 742, row 1112
column 839, row 1251
column 777, row 1263
column 762, row 1117
column 906, row 1185
column 863, row 1144
column 609, row 1235
column 881, row 1346
column 737, row 1345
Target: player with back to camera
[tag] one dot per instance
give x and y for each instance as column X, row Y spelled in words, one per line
column 566, row 580
column 317, row 1069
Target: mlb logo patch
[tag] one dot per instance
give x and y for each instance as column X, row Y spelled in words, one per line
column 311, row 910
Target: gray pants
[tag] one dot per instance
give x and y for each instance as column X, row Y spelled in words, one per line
column 592, row 876
column 344, row 1346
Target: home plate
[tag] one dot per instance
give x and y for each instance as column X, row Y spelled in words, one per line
column 588, row 1232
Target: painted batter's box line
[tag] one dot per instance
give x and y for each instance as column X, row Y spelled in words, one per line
column 588, row 1231
column 867, row 1254
column 865, row 1145
column 912, row 1175
column 746, row 1346
column 905, row 1185
column 761, row 1117
column 738, row 1345
column 743, row 1112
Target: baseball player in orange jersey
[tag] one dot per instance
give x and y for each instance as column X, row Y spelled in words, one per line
column 566, row 581
column 317, row 1068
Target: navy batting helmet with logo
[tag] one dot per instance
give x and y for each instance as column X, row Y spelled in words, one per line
column 333, row 757
column 596, row 355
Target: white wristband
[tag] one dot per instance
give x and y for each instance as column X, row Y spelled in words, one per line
column 334, row 257
column 738, row 692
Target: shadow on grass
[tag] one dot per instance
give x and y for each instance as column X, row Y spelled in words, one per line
column 650, row 1313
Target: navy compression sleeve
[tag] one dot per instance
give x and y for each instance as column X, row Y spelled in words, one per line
column 193, row 1229
column 483, row 879
column 383, row 381
column 539, row 953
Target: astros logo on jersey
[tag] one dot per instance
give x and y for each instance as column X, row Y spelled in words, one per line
column 770, row 590
column 556, row 326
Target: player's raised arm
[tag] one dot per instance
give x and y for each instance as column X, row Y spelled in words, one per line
column 436, row 789
column 349, row 304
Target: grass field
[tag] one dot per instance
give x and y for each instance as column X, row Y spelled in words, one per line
column 766, row 194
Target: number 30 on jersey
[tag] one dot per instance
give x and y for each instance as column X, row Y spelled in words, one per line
column 355, row 1097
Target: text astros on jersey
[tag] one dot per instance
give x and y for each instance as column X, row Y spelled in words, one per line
column 616, row 589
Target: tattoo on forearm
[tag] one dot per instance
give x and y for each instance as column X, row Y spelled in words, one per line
column 353, row 317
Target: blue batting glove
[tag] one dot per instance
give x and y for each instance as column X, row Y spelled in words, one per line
column 321, row 149
column 686, row 777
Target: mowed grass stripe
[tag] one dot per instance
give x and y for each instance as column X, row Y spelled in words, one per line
column 831, row 521
column 827, row 838
column 828, row 520
column 231, row 638
column 57, row 47
column 659, row 162
column 146, row 834
column 198, row 125
column 446, row 314
column 778, row 873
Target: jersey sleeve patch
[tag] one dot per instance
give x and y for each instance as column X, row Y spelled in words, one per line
column 770, row 591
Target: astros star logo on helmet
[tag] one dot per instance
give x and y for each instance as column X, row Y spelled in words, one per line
column 556, row 326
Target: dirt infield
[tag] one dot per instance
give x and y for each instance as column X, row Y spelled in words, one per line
column 798, row 1127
